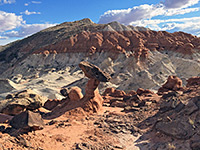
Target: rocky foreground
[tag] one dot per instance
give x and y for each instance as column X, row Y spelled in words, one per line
column 141, row 119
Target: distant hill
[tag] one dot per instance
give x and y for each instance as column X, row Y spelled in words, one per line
column 138, row 54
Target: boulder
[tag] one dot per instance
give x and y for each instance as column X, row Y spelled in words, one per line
column 93, row 72
column 75, row 93
column 114, row 92
column 64, row 92
column 193, row 81
column 27, row 121
column 179, row 129
column 4, row 118
column 52, row 103
column 20, row 101
column 131, row 93
column 173, row 83
column 109, row 91
column 140, row 91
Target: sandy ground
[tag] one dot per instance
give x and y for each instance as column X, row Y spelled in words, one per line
column 71, row 132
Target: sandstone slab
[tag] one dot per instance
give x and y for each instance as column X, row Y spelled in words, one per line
column 93, row 72
column 27, row 120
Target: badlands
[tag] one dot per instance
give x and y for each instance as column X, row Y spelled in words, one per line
column 81, row 85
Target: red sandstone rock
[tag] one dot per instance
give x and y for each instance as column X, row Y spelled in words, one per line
column 118, row 93
column 92, row 39
column 193, row 81
column 92, row 100
column 114, row 92
column 147, row 91
column 52, row 103
column 46, row 52
column 173, row 83
column 140, row 91
column 75, row 94
column 131, row 93
column 109, row 91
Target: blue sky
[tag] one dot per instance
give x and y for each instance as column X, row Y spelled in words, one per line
column 21, row 18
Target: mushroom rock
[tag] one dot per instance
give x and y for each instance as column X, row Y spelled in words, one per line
column 93, row 72
column 92, row 100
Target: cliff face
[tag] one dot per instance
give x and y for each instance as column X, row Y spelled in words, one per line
column 135, row 56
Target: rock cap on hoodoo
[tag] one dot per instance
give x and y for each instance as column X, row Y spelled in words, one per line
column 93, row 72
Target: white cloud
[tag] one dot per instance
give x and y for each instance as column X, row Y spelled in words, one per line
column 7, row 1
column 36, row 2
column 189, row 25
column 32, row 2
column 9, row 21
column 144, row 15
column 3, row 37
column 26, row 12
column 28, row 29
column 179, row 3
column 13, row 27
column 179, row 11
column 126, row 16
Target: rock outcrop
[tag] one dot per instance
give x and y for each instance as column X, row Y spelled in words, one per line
column 114, row 92
column 173, row 84
column 130, row 120
column 194, row 81
column 20, row 101
column 132, row 101
column 27, row 121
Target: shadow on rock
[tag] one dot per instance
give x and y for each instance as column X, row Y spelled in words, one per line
column 177, row 123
